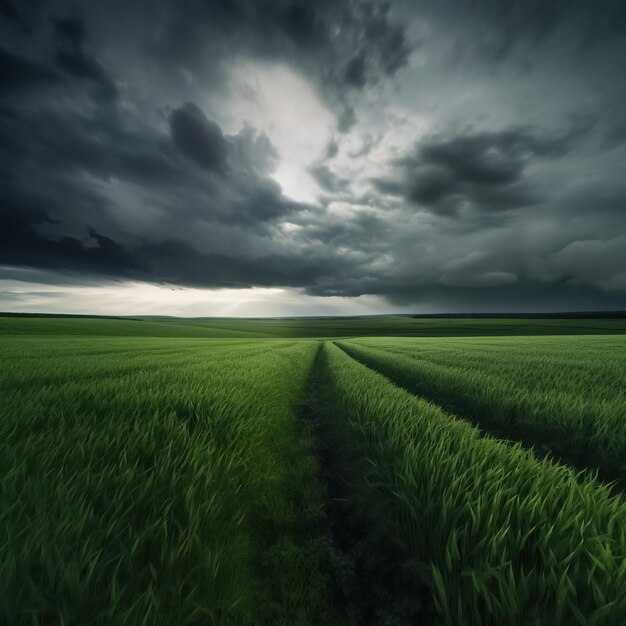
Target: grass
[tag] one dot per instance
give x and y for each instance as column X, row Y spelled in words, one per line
column 98, row 327
column 144, row 483
column 499, row 536
column 313, row 327
column 560, row 394
column 236, row 480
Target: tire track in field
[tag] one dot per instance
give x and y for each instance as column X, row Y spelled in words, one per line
column 364, row 571
column 576, row 460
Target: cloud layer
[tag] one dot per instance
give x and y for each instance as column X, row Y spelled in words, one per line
column 435, row 158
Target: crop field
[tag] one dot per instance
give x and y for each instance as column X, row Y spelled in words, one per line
column 311, row 327
column 562, row 394
column 156, row 483
column 161, row 478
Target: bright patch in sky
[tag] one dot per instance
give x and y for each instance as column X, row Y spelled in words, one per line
column 135, row 298
column 278, row 101
column 438, row 156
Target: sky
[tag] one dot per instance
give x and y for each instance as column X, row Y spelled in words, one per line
column 290, row 157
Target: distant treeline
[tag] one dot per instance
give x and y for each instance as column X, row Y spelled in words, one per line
column 564, row 315
column 64, row 315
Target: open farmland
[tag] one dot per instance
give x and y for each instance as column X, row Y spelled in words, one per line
column 148, row 482
column 565, row 395
column 499, row 536
column 174, row 479
column 313, row 327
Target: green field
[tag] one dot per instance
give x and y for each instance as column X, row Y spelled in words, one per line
column 146, row 482
column 213, row 471
column 312, row 327
column 562, row 394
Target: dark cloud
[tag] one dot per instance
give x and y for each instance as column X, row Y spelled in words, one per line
column 332, row 149
column 18, row 72
column 173, row 262
column 474, row 171
column 495, row 30
column 615, row 134
column 346, row 119
column 199, row 138
column 320, row 38
column 355, row 71
column 25, row 240
column 22, row 244
column 11, row 11
column 62, row 167
column 168, row 261
column 328, row 180
column 125, row 155
column 522, row 297
column 72, row 57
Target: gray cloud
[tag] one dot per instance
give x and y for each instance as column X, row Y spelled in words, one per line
column 474, row 171
column 342, row 46
column 199, row 138
column 72, row 57
column 495, row 31
column 328, row 180
column 476, row 160
column 19, row 72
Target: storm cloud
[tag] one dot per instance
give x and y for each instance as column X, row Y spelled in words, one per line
column 434, row 155
column 473, row 171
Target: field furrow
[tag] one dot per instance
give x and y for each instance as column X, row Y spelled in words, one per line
column 369, row 579
column 174, row 488
column 499, row 536
column 564, row 397
column 290, row 481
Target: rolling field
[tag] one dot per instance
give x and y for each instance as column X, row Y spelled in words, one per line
column 150, row 483
column 176, row 479
column 311, row 327
column 498, row 536
column 565, row 395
